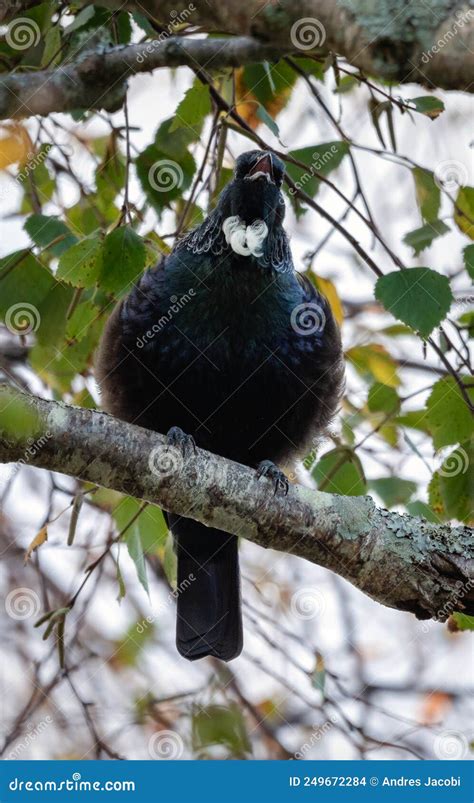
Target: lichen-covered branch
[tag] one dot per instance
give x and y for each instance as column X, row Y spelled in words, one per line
column 97, row 79
column 391, row 40
column 399, row 560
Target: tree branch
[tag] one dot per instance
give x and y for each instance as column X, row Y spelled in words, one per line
column 97, row 79
column 396, row 41
column 399, row 560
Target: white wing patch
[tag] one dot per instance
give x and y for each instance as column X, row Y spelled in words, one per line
column 245, row 240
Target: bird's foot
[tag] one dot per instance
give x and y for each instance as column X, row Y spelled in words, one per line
column 180, row 440
column 280, row 482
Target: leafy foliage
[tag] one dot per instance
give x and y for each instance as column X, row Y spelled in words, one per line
column 84, row 247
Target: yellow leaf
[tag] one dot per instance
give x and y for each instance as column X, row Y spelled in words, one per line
column 247, row 104
column 39, row 539
column 328, row 289
column 374, row 360
column 16, row 146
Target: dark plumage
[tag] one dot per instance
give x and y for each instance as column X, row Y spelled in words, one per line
column 235, row 349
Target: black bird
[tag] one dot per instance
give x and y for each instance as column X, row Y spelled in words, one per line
column 225, row 342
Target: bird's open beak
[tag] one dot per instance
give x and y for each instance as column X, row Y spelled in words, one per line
column 263, row 168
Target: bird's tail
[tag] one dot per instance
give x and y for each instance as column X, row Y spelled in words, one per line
column 209, row 616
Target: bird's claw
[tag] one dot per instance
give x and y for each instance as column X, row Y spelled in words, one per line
column 280, row 482
column 180, row 440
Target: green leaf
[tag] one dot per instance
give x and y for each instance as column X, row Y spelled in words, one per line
column 53, row 310
column 134, row 544
column 123, row 260
column 415, row 419
column 319, row 159
column 383, row 398
column 340, row 471
column 52, row 46
column 422, row 510
column 263, row 115
column 374, row 362
column 456, row 482
column 464, row 211
column 170, row 562
column 165, row 169
column 31, row 300
column 49, row 232
column 128, row 650
column 318, row 680
column 81, row 264
column 83, row 17
column 268, row 82
column 81, row 319
column 393, row 490
column 448, row 415
column 193, row 109
column 428, row 105
column 468, row 255
column 421, row 238
column 463, row 622
column 419, row 297
column 58, row 365
column 220, row 725
column 17, row 417
column 428, row 194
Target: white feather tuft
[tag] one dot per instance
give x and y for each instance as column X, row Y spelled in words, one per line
column 245, row 240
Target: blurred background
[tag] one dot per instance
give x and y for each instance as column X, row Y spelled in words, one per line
column 325, row 673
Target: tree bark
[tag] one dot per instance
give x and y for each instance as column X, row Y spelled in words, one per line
column 432, row 44
column 401, row 561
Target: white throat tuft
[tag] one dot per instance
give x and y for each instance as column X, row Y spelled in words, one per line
column 245, row 240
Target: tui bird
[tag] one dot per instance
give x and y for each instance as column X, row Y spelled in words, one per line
column 224, row 345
